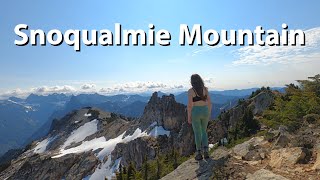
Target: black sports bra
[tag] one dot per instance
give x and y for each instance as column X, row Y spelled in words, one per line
column 197, row 97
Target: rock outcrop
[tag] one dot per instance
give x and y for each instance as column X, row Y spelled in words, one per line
column 287, row 157
column 135, row 151
column 229, row 119
column 160, row 111
column 316, row 165
column 165, row 111
column 202, row 170
column 72, row 166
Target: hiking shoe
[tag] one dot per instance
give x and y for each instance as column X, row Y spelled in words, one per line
column 206, row 155
column 198, row 157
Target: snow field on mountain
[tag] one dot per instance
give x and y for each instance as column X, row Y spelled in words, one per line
column 42, row 146
column 81, row 133
column 105, row 169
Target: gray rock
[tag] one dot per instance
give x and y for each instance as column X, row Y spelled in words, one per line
column 264, row 174
column 254, row 155
column 261, row 102
column 184, row 142
column 203, row 170
column 135, row 151
column 44, row 167
column 316, row 165
column 243, row 149
column 281, row 142
column 286, row 157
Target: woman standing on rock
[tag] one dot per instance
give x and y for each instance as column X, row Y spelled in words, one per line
column 199, row 112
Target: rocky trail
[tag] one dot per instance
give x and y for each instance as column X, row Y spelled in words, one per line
column 260, row 158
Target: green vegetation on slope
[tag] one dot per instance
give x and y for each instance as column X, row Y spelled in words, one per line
column 300, row 103
column 152, row 169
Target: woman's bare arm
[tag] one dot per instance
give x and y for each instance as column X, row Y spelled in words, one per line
column 190, row 104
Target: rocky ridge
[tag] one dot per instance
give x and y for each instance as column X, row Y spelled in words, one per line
column 259, row 158
column 272, row 154
column 90, row 143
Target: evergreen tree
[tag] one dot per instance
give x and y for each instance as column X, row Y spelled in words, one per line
column 131, row 172
column 146, row 168
column 175, row 159
column 158, row 168
column 120, row 175
column 158, row 163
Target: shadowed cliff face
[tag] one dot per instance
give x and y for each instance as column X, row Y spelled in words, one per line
column 219, row 129
column 165, row 111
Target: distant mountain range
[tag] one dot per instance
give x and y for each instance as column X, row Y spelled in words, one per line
column 19, row 118
column 24, row 120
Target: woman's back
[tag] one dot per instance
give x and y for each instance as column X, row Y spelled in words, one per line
column 195, row 96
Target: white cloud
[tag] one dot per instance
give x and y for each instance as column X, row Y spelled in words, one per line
column 88, row 86
column 53, row 89
column 204, row 49
column 139, row 87
column 208, row 81
column 43, row 90
column 266, row 55
column 120, row 88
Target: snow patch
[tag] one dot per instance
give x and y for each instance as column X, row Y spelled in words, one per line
column 153, row 124
column 96, row 143
column 28, row 108
column 93, row 144
column 87, row 115
column 158, row 130
column 211, row 146
column 42, row 146
column 111, row 144
column 104, row 169
column 81, row 133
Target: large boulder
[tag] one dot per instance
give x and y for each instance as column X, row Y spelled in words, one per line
column 242, row 150
column 282, row 138
column 287, row 157
column 316, row 165
column 255, row 155
column 203, row 170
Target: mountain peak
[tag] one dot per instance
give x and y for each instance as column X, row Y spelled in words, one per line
column 162, row 110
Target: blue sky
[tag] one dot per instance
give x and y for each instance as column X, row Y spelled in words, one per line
column 136, row 69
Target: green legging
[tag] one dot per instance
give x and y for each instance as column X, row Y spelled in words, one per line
column 200, row 118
